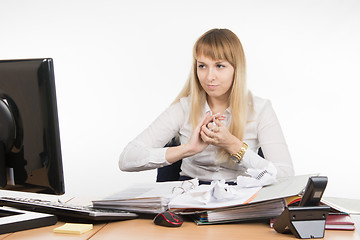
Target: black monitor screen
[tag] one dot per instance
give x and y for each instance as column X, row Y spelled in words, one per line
column 30, row 152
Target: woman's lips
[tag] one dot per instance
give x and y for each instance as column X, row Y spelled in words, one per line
column 212, row 87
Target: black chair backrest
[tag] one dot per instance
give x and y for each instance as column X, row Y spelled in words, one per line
column 169, row 173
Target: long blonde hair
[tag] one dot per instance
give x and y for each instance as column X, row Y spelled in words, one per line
column 220, row 44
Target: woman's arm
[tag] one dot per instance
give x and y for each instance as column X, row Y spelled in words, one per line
column 147, row 150
column 272, row 143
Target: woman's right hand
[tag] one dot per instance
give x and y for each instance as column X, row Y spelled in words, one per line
column 196, row 144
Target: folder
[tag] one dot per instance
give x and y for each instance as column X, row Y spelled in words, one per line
column 261, row 210
column 145, row 198
column 350, row 206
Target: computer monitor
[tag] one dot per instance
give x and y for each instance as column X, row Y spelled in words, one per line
column 30, row 152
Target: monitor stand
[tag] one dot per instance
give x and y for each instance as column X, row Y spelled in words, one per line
column 13, row 220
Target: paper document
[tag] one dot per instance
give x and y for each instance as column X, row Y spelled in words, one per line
column 216, row 195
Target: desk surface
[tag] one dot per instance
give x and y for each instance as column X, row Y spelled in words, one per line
column 140, row 229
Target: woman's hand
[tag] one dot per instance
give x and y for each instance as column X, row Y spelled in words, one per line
column 205, row 133
column 196, row 144
column 214, row 132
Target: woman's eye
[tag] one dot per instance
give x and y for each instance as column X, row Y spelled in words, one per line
column 201, row 66
column 220, row 66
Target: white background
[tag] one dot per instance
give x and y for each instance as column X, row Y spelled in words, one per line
column 119, row 64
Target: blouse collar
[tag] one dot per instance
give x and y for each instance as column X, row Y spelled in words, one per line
column 207, row 109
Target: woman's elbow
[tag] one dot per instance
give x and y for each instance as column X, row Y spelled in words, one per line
column 123, row 164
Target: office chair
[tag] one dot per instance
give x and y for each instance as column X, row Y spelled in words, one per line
column 172, row 172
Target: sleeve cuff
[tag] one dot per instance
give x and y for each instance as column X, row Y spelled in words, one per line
column 157, row 157
column 252, row 160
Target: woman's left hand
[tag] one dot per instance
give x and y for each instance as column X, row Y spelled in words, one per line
column 218, row 134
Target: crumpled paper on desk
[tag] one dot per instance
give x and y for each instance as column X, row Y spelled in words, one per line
column 258, row 177
column 217, row 194
column 217, row 191
column 220, row 194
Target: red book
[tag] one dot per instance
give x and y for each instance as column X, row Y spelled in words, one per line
column 339, row 222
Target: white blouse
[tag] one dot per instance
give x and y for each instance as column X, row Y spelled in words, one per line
column 263, row 130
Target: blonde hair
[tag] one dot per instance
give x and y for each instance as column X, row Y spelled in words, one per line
column 219, row 44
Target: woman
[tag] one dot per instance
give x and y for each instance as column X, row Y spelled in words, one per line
column 220, row 124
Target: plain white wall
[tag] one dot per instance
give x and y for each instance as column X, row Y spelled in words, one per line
column 119, row 64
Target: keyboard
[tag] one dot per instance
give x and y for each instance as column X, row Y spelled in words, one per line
column 65, row 210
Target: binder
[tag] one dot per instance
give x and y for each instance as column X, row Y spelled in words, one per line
column 255, row 211
column 145, row 198
column 269, row 202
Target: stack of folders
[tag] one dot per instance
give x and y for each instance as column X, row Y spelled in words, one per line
column 345, row 213
column 262, row 210
column 145, row 198
column 268, row 202
column 252, row 203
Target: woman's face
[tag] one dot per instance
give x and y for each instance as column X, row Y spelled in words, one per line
column 215, row 76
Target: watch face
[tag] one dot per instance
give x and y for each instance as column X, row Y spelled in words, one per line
column 235, row 158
